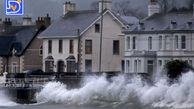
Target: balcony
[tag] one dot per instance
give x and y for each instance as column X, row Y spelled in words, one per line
column 141, row 53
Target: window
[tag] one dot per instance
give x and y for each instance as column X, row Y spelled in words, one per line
column 60, row 46
column 88, row 66
column 128, row 66
column 134, row 42
column 128, row 43
column 160, row 63
column 116, row 47
column 41, row 51
column 88, row 47
column 97, row 28
column 71, row 46
column 150, row 43
column 14, row 67
column 160, row 42
column 176, row 42
column 183, row 42
column 50, row 46
column 190, row 62
column 139, row 66
column 135, row 66
column 150, row 67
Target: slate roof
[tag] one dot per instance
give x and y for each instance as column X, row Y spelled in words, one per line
column 5, row 44
column 19, row 40
column 162, row 22
column 68, row 25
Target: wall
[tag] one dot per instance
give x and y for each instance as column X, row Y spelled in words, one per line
column 55, row 51
column 111, row 31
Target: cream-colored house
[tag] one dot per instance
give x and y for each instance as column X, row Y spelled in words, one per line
column 72, row 43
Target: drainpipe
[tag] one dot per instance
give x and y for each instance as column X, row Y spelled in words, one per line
column 7, row 59
column 78, row 55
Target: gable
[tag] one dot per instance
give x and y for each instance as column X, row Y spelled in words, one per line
column 114, row 17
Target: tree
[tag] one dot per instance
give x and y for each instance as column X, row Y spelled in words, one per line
column 176, row 67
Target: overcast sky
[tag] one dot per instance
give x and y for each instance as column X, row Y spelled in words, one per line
column 35, row 8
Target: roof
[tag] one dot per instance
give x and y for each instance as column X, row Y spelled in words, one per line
column 5, row 44
column 23, row 38
column 67, row 26
column 19, row 40
column 162, row 22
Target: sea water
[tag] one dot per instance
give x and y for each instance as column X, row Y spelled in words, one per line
column 117, row 93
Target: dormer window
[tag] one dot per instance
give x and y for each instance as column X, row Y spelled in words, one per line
column 173, row 24
column 97, row 28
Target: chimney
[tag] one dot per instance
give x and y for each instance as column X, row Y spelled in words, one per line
column 27, row 21
column 47, row 21
column 68, row 6
column 39, row 22
column 7, row 22
column 106, row 5
column 153, row 7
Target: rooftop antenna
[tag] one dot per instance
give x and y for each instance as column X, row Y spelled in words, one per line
column 101, row 28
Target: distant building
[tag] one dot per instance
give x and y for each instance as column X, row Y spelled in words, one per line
column 158, row 39
column 20, row 49
column 73, row 41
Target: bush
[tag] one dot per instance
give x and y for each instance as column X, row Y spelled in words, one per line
column 176, row 67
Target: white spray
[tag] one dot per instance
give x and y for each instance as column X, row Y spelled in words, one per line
column 122, row 90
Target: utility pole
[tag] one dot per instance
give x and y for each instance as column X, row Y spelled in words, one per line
column 101, row 28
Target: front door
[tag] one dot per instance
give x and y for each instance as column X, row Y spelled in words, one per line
column 49, row 66
column 60, row 66
column 71, row 66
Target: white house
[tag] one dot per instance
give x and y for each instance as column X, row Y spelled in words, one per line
column 72, row 43
column 158, row 39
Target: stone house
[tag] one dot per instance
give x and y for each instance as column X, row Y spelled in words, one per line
column 20, row 49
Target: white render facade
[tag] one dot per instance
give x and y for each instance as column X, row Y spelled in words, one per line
column 60, row 56
column 153, row 51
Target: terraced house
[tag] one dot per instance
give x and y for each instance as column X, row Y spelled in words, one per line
column 158, row 39
column 20, row 49
column 72, row 43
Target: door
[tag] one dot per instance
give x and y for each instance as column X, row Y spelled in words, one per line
column 88, row 66
column 49, row 66
column 60, row 66
column 71, row 66
column 150, row 67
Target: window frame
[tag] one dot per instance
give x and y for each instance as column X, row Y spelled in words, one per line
column 60, row 50
column 71, row 46
column 97, row 28
column 88, row 48
column 116, row 49
column 49, row 46
column 183, row 42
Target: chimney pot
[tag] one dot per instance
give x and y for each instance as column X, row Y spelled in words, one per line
column 106, row 5
column 68, row 6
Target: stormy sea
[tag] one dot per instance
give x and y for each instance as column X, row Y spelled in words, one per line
column 121, row 92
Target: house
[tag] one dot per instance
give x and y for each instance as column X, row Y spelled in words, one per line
column 71, row 44
column 158, row 39
column 20, row 49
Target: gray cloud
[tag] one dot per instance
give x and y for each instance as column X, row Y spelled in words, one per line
column 35, row 8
